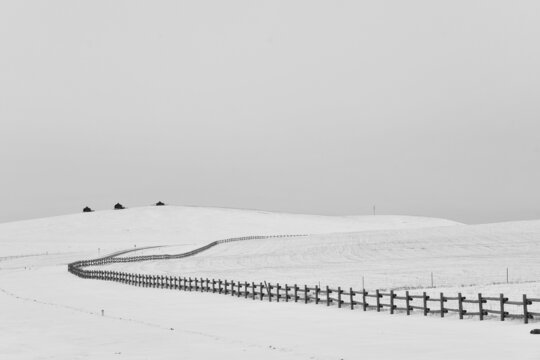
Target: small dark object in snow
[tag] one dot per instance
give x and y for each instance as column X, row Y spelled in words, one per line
column 159, row 203
column 118, row 206
column 87, row 209
column 535, row 331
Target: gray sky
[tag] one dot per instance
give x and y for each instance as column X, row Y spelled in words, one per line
column 421, row 107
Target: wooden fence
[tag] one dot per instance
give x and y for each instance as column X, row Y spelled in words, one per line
column 377, row 300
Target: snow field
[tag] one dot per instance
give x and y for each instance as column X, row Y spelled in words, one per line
column 457, row 256
column 66, row 324
column 47, row 313
column 115, row 230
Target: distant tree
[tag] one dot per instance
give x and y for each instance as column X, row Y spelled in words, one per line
column 118, row 206
column 87, row 209
column 159, row 203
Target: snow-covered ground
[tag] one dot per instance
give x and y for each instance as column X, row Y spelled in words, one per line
column 181, row 225
column 386, row 259
column 47, row 313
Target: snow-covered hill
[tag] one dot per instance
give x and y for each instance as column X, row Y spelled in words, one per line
column 455, row 255
column 48, row 313
column 112, row 230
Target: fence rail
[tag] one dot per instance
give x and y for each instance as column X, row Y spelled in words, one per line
column 352, row 299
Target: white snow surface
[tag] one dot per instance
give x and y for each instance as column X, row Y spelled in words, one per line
column 47, row 313
column 459, row 256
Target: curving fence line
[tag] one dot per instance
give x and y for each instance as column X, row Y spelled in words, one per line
column 76, row 267
column 482, row 307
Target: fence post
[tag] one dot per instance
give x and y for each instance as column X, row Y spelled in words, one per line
column 480, row 306
column 232, row 287
column 286, row 293
column 269, row 292
column 442, row 305
column 246, row 285
column 262, row 292
column 377, row 296
column 316, row 295
column 364, row 303
column 351, row 298
column 219, row 286
column 295, row 293
column 339, row 297
column 525, row 312
column 460, row 306
column 408, row 302
column 277, row 292
column 327, row 296
column 306, row 296
column 501, row 297
column 391, row 302
column 253, row 290
column 239, row 293
column 425, row 299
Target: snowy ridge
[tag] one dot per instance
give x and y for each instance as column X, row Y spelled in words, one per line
column 113, row 230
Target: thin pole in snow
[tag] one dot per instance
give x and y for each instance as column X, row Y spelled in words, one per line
column 363, row 287
column 373, row 209
column 507, row 275
column 431, row 279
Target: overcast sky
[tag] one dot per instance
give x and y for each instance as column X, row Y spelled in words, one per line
column 421, row 107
